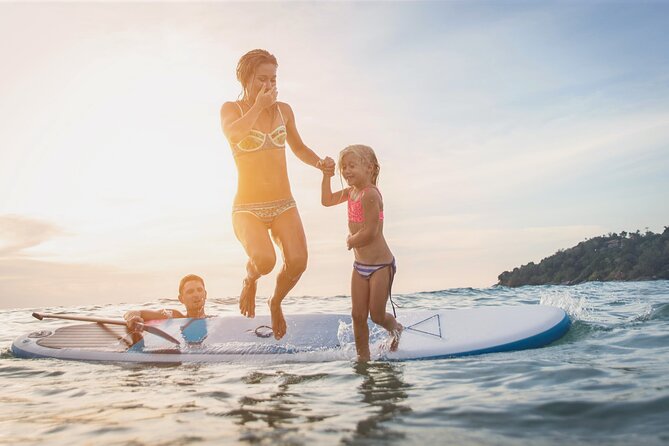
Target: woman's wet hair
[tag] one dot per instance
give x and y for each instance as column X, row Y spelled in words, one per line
column 367, row 155
column 249, row 62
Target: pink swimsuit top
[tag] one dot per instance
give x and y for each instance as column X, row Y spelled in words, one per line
column 355, row 214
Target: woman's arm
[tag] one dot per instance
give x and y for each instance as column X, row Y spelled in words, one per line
column 371, row 207
column 298, row 147
column 234, row 125
column 327, row 197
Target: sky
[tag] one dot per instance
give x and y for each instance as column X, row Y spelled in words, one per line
column 505, row 132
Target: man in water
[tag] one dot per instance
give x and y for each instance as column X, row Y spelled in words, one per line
column 192, row 294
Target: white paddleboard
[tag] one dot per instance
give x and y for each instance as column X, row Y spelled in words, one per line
column 427, row 335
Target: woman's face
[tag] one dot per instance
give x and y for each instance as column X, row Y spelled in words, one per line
column 265, row 75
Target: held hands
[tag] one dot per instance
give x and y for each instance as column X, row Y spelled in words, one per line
column 327, row 166
column 266, row 98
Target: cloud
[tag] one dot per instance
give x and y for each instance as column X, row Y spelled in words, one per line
column 28, row 283
column 18, row 233
column 27, row 279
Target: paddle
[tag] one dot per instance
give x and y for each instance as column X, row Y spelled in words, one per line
column 149, row 328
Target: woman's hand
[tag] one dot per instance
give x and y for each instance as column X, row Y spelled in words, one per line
column 327, row 166
column 266, row 99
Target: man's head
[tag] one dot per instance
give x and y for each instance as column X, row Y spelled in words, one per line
column 192, row 293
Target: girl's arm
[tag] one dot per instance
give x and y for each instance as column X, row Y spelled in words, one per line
column 298, row 147
column 327, row 197
column 371, row 207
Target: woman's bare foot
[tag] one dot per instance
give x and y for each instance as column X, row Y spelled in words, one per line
column 278, row 321
column 247, row 298
column 395, row 336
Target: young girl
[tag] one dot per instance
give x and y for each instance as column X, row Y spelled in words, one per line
column 374, row 265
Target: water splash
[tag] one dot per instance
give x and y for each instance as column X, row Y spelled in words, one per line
column 576, row 307
column 345, row 334
column 378, row 340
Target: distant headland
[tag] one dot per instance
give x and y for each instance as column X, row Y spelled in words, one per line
column 624, row 256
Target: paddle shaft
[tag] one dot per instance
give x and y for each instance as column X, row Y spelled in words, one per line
column 41, row 316
column 100, row 320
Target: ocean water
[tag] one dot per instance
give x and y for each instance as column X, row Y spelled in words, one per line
column 606, row 383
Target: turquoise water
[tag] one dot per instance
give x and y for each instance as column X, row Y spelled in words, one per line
column 606, row 382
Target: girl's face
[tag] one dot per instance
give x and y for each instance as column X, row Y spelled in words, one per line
column 356, row 171
column 265, row 75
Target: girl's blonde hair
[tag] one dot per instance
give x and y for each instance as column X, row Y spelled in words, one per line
column 367, row 155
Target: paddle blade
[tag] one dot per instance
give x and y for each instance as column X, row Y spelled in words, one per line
column 158, row 332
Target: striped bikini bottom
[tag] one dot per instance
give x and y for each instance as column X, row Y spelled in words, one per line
column 267, row 211
column 366, row 272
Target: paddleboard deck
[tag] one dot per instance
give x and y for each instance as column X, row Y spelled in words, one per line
column 427, row 335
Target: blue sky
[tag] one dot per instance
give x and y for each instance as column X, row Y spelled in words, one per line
column 505, row 131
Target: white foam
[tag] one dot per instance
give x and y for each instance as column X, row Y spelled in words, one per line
column 576, row 307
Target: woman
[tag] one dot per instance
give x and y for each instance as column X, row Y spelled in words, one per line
column 257, row 128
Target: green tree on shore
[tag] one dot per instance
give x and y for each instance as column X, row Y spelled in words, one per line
column 624, row 256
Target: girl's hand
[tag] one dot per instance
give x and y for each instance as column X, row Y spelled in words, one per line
column 266, row 98
column 348, row 242
column 327, row 166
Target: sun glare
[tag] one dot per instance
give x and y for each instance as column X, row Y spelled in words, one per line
column 130, row 150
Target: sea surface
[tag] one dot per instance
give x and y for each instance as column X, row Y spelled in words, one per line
column 605, row 383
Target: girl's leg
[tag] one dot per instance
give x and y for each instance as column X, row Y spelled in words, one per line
column 288, row 234
column 254, row 237
column 360, row 313
column 379, row 289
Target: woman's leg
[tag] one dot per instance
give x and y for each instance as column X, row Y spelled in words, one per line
column 379, row 290
column 254, row 237
column 360, row 313
column 288, row 234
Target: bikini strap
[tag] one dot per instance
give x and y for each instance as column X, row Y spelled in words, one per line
column 280, row 114
column 392, row 270
column 241, row 110
column 362, row 192
column 377, row 189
